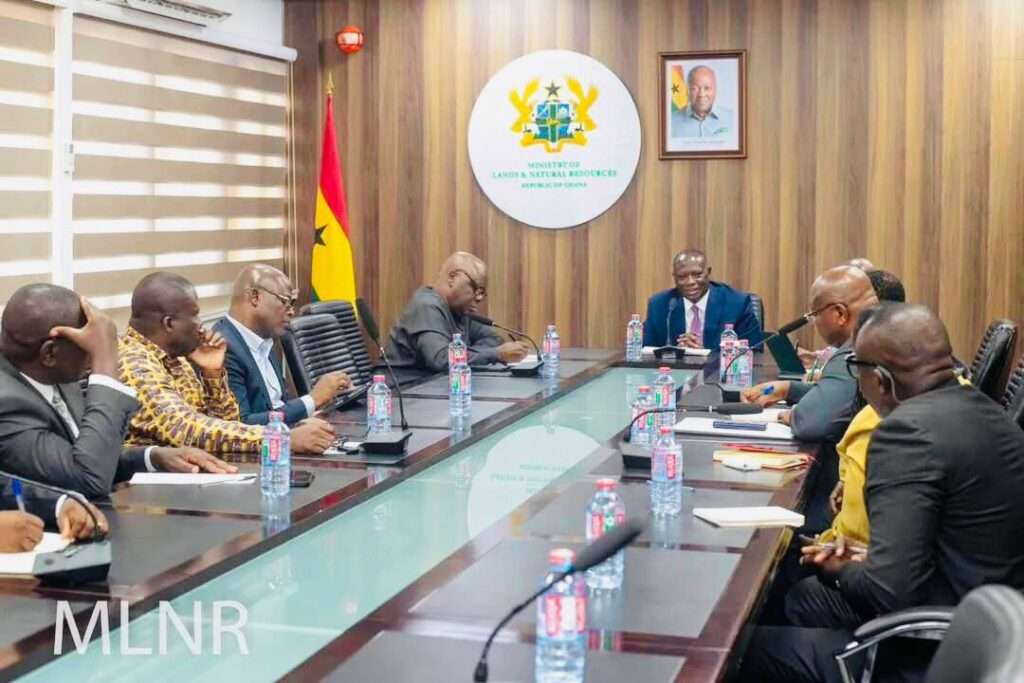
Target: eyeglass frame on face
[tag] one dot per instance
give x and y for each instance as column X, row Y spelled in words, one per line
column 853, row 362
column 810, row 315
column 288, row 302
column 478, row 291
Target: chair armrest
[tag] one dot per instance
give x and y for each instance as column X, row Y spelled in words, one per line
column 904, row 618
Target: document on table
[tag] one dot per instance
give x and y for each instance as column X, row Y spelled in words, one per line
column 22, row 563
column 702, row 426
column 767, row 516
column 530, row 358
column 184, row 479
column 649, row 351
column 768, row 415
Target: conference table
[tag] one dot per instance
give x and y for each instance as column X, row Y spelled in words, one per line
column 396, row 570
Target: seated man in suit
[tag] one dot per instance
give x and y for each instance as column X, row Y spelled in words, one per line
column 695, row 311
column 52, row 431
column 160, row 351
column 262, row 303
column 946, row 468
column 421, row 336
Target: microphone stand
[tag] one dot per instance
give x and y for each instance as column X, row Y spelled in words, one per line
column 516, row 333
column 398, row 386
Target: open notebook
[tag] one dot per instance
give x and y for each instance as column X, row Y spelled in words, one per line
column 770, row 516
column 23, row 563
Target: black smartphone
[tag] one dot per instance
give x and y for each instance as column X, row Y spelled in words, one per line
column 301, row 479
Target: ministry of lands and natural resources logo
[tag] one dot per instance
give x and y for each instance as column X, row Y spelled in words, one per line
column 571, row 149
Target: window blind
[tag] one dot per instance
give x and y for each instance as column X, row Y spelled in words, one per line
column 26, row 124
column 180, row 162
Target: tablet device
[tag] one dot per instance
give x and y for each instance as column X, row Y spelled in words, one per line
column 786, row 358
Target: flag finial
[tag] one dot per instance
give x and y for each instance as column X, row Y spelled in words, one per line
column 330, row 84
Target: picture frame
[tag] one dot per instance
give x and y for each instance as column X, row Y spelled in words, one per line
column 702, row 104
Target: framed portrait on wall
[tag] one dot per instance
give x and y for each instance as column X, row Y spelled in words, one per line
column 703, row 104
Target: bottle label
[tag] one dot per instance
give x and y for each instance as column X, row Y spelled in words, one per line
column 551, row 346
column 456, row 356
column 380, row 406
column 564, row 614
column 273, row 446
column 597, row 526
column 671, row 465
column 466, row 381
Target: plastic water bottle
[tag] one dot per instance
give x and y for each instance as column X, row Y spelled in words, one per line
column 276, row 458
column 727, row 350
column 743, row 370
column 561, row 624
column 642, row 431
column 665, row 396
column 460, row 379
column 378, row 406
column 634, row 339
column 552, row 350
column 605, row 512
column 276, row 514
column 666, row 475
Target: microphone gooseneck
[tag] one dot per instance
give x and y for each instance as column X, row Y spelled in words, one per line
column 593, row 554
column 629, row 428
column 370, row 325
column 483, row 320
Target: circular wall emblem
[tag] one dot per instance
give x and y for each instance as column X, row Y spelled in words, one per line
column 554, row 139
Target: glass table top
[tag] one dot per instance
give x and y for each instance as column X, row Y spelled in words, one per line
column 302, row 594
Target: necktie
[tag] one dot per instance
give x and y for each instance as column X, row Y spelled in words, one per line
column 697, row 325
column 62, row 409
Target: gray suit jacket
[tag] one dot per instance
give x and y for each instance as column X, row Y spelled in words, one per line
column 824, row 409
column 36, row 443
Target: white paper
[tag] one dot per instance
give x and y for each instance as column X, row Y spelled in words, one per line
column 22, row 563
column 771, row 515
column 181, row 479
column 768, row 416
column 649, row 351
column 703, row 426
column 530, row 358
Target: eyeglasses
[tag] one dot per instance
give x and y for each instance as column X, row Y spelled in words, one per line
column 819, row 310
column 287, row 302
column 854, row 365
column 479, row 291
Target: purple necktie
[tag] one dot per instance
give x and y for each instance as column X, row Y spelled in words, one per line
column 696, row 326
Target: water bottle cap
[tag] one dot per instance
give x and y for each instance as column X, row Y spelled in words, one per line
column 276, row 416
column 636, row 316
column 457, row 337
column 665, row 429
column 561, row 557
column 606, row 484
column 378, row 378
column 644, row 390
column 551, row 327
column 664, row 368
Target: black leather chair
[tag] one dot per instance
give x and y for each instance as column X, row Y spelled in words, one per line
column 757, row 304
column 992, row 361
column 315, row 345
column 1013, row 398
column 982, row 638
column 351, row 332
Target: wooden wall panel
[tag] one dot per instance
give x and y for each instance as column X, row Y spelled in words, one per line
column 881, row 128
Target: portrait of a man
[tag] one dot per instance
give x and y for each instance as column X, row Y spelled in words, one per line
column 703, row 102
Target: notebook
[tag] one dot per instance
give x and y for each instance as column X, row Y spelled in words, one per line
column 185, row 479
column 768, row 461
column 703, row 426
column 23, row 563
column 767, row 516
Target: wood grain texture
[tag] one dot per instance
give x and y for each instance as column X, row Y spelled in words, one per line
column 881, row 128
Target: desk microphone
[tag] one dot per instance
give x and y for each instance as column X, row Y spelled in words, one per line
column 388, row 442
column 590, row 556
column 789, row 327
column 520, row 369
column 672, row 303
column 79, row 562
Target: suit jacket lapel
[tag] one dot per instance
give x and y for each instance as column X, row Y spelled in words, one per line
column 72, row 395
column 275, row 361
column 228, row 329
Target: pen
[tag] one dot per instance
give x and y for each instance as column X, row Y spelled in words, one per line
column 768, row 390
column 243, row 478
column 16, row 485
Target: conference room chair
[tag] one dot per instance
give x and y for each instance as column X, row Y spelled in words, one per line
column 315, row 345
column 1013, row 397
column 992, row 361
column 757, row 304
column 982, row 638
column 352, row 332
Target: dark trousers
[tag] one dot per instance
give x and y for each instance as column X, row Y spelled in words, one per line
column 823, row 622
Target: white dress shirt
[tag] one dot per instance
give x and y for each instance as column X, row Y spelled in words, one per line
column 261, row 349
column 48, row 391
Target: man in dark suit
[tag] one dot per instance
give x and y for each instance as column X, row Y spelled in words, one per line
column 50, row 429
column 944, row 476
column 695, row 311
column 262, row 303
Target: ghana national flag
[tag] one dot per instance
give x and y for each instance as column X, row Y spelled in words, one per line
column 333, row 272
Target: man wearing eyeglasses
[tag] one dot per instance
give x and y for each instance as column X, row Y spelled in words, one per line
column 176, row 366
column 262, row 303
column 821, row 411
column 421, row 336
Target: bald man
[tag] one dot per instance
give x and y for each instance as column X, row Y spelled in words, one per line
column 944, row 479
column 50, row 429
column 159, row 353
column 823, row 410
column 421, row 336
column 262, row 303
column 701, row 118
